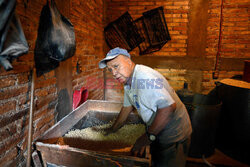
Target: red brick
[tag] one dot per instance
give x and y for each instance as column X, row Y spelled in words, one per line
column 171, row 7
column 6, row 158
column 175, row 32
column 19, row 68
column 180, row 28
column 7, row 81
column 231, row 11
column 45, row 83
column 8, row 131
column 23, row 102
column 43, row 129
column 7, row 106
column 12, row 92
column 23, row 78
column 30, row 56
column 13, row 117
column 180, row 11
column 241, row 24
column 41, row 92
column 144, row 3
column 243, row 6
column 42, row 121
column 234, row 46
column 44, row 101
column 9, row 144
column 246, row 41
column 236, row 19
column 163, row 3
column 179, row 37
column 237, row 1
column 184, row 3
column 179, row 45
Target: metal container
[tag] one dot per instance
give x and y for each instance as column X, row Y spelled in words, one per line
column 234, row 126
column 204, row 117
column 246, row 73
column 53, row 154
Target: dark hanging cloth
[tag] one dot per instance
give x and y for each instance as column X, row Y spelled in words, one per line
column 55, row 40
column 12, row 40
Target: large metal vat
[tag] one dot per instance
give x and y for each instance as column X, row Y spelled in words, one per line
column 90, row 113
column 233, row 137
column 204, row 117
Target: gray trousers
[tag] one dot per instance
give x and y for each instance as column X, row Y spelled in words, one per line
column 171, row 155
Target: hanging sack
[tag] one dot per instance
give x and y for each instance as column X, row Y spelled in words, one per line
column 12, row 40
column 55, row 39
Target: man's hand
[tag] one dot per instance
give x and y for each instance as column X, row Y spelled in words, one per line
column 104, row 131
column 140, row 145
column 107, row 131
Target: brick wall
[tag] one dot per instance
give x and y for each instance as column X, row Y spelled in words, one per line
column 176, row 15
column 15, row 94
column 87, row 18
column 235, row 40
column 235, row 35
column 208, row 83
column 113, row 89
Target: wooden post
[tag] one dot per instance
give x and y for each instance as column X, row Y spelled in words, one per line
column 31, row 119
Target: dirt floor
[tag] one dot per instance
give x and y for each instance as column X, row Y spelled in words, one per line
column 218, row 159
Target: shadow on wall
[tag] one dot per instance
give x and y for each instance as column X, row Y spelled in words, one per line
column 63, row 106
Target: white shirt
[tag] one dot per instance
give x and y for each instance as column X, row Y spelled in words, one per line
column 148, row 92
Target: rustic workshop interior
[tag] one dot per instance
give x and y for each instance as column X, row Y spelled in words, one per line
column 200, row 46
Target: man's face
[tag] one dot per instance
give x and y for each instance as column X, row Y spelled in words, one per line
column 121, row 68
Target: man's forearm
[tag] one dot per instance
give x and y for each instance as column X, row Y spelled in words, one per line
column 161, row 119
column 122, row 117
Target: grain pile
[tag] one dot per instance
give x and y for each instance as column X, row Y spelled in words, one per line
column 236, row 83
column 120, row 141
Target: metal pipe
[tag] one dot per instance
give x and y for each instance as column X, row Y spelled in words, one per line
column 30, row 120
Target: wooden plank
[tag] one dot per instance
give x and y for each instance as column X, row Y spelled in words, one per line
column 64, row 71
column 61, row 127
column 190, row 63
column 68, row 156
column 36, row 159
column 197, row 31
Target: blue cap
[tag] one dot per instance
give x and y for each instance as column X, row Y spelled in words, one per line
column 113, row 53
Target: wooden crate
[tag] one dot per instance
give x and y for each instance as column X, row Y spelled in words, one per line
column 122, row 33
column 153, row 28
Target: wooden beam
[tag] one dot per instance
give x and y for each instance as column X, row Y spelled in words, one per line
column 189, row 63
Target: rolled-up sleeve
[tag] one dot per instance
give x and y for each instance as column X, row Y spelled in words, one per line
column 126, row 101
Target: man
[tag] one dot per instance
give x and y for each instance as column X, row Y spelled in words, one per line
column 168, row 124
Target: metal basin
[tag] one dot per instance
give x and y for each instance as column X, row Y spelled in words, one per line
column 90, row 113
